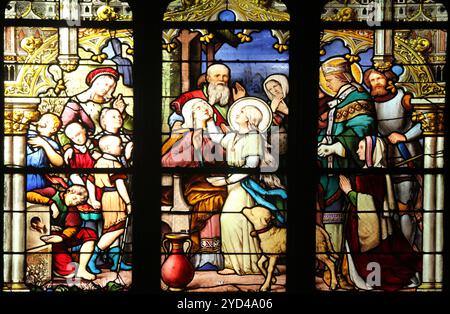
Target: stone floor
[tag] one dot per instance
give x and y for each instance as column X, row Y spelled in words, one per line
column 211, row 281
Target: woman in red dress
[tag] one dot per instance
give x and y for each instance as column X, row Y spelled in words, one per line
column 372, row 238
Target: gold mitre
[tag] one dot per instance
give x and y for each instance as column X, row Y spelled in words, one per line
column 336, row 66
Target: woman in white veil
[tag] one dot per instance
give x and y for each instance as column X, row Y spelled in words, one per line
column 372, row 238
column 276, row 87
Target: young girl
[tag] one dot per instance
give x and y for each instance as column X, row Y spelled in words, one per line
column 249, row 117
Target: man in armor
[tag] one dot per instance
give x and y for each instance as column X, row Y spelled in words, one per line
column 395, row 126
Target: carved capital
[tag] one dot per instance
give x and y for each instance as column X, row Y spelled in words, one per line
column 431, row 118
column 68, row 63
column 383, row 63
column 19, row 113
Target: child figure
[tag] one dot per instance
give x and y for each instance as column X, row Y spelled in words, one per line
column 79, row 156
column 111, row 122
column 115, row 202
column 42, row 152
column 67, row 232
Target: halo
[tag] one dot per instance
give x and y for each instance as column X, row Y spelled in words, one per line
column 237, row 106
column 355, row 68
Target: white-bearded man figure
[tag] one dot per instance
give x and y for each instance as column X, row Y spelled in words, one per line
column 215, row 91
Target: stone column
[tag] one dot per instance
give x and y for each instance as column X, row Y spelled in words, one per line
column 430, row 113
column 181, row 210
column 19, row 112
column 7, row 205
column 68, row 37
column 383, row 57
column 68, row 51
column 429, row 215
column 439, row 229
column 177, row 216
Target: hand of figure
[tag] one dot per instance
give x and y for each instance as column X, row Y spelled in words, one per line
column 325, row 150
column 238, row 91
column 68, row 155
column 55, row 210
column 55, row 229
column 96, row 204
column 225, row 128
column 37, row 142
column 395, row 138
column 177, row 126
column 119, row 103
column 345, row 184
column 129, row 209
column 217, row 181
column 197, row 139
column 96, row 155
column 52, row 239
column 129, row 150
column 275, row 103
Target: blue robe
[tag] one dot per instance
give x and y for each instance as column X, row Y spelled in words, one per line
column 37, row 158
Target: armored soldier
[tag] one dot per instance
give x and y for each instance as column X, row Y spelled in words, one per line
column 393, row 110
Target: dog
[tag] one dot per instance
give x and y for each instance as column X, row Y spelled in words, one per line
column 272, row 241
column 324, row 249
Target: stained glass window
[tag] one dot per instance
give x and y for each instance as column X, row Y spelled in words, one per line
column 380, row 197
column 177, row 174
column 225, row 115
column 68, row 146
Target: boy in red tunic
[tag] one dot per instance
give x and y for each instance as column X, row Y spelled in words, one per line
column 81, row 156
column 70, row 233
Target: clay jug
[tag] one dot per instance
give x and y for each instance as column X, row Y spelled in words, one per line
column 177, row 271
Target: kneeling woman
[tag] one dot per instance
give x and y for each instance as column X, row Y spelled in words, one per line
column 371, row 235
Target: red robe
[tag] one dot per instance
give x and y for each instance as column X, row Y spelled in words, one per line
column 81, row 160
column 182, row 153
column 398, row 261
column 84, row 161
column 73, row 235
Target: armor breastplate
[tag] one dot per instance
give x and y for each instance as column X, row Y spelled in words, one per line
column 392, row 116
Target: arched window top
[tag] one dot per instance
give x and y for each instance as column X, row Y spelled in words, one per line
column 401, row 11
column 227, row 10
column 83, row 10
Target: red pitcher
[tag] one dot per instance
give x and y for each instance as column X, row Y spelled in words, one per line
column 177, row 271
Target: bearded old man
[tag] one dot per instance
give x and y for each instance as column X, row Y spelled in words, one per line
column 393, row 109
column 216, row 91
